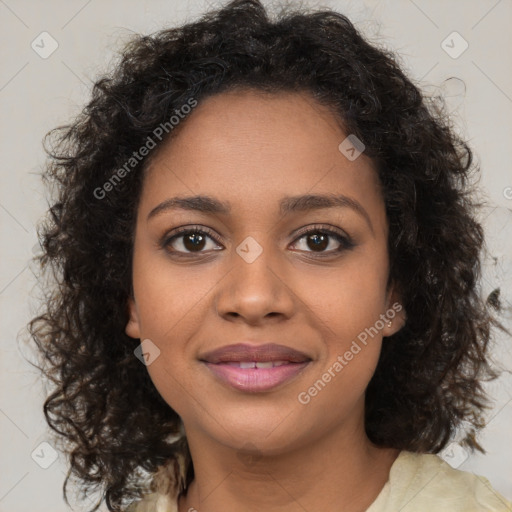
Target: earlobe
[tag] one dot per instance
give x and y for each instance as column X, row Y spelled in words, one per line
column 395, row 312
column 396, row 321
column 133, row 326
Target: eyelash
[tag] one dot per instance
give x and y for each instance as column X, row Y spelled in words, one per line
column 345, row 242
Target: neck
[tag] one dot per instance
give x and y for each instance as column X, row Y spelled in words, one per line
column 338, row 472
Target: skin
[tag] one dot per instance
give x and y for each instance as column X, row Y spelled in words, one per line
column 265, row 451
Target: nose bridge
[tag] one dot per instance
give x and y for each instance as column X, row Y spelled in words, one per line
column 255, row 287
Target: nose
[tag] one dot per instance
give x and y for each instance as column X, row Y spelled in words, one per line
column 256, row 291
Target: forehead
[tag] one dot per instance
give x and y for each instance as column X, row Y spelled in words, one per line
column 254, row 148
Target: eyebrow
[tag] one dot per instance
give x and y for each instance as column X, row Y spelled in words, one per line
column 287, row 205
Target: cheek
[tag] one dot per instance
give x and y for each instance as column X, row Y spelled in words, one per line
column 170, row 298
column 170, row 306
column 349, row 299
column 348, row 317
column 171, row 383
column 347, row 307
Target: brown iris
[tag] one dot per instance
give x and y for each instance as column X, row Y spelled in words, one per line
column 194, row 241
column 320, row 241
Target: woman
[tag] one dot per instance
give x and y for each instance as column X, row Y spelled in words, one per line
column 267, row 265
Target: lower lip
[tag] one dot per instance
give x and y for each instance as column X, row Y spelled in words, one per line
column 256, row 379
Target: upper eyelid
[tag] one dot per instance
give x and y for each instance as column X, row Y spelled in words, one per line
column 297, row 234
column 181, row 231
column 319, row 227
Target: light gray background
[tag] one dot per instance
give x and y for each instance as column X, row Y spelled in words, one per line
column 38, row 94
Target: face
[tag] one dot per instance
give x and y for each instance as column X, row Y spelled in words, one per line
column 257, row 266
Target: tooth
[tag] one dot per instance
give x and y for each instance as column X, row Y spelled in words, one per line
column 250, row 364
column 279, row 363
column 267, row 364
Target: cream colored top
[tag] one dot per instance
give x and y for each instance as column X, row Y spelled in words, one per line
column 416, row 483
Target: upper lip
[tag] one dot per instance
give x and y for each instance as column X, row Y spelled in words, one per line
column 257, row 353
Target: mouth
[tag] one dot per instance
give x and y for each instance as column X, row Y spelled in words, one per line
column 252, row 368
column 255, row 364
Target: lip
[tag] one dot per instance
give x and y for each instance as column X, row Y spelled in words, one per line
column 237, row 365
column 258, row 353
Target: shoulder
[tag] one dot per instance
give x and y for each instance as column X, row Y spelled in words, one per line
column 425, row 482
column 154, row 502
column 165, row 486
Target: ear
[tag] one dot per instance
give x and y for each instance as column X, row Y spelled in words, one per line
column 395, row 312
column 132, row 328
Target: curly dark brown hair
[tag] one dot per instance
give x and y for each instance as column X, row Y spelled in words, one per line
column 110, row 418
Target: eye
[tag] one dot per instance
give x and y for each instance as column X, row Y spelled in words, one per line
column 318, row 239
column 188, row 240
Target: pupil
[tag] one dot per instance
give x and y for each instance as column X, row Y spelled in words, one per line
column 195, row 241
column 320, row 241
column 191, row 245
